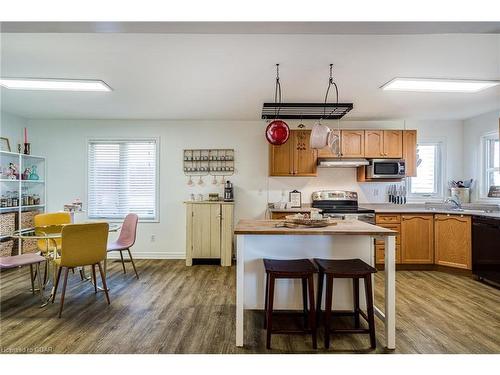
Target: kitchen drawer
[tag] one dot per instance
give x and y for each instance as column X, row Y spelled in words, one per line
column 394, row 227
column 380, row 254
column 387, row 219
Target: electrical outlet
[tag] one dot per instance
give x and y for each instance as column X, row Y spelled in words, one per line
column 153, row 237
column 375, row 192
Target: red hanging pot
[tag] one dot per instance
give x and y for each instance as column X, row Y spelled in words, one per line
column 277, row 132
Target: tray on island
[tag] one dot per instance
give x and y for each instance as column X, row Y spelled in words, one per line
column 294, row 221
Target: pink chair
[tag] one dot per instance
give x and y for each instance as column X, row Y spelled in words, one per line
column 126, row 239
column 28, row 259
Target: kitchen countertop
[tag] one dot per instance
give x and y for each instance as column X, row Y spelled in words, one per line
column 347, row 227
column 421, row 208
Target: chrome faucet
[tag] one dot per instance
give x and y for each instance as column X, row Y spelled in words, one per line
column 455, row 200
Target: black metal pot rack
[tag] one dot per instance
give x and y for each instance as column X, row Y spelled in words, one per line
column 306, row 111
column 311, row 111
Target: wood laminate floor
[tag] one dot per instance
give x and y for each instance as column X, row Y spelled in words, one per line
column 178, row 309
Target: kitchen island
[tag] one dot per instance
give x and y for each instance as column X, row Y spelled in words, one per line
column 258, row 239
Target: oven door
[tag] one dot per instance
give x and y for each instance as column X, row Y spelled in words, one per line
column 385, row 168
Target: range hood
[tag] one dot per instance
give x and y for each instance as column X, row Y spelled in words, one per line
column 341, row 163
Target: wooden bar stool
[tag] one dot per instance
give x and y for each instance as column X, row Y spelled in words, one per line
column 302, row 269
column 354, row 269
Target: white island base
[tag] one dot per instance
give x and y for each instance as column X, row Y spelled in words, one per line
column 337, row 242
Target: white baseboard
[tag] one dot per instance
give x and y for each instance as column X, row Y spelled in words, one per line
column 149, row 255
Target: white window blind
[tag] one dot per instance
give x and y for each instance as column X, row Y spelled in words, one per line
column 428, row 181
column 491, row 163
column 122, row 179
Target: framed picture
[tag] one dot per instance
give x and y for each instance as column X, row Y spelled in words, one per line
column 295, row 198
column 4, row 144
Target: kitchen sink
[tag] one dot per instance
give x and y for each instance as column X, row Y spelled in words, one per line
column 467, row 208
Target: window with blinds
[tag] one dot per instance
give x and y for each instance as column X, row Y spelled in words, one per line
column 490, row 163
column 428, row 182
column 122, row 179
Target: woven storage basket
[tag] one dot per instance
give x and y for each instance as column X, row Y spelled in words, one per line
column 6, row 248
column 28, row 219
column 7, row 223
column 30, row 245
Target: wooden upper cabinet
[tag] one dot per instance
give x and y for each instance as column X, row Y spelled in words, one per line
column 410, row 152
column 417, row 239
column 352, row 143
column 280, row 159
column 452, row 240
column 374, row 144
column 304, row 157
column 295, row 157
column 380, row 144
column 393, row 144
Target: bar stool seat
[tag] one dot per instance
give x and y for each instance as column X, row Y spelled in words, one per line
column 353, row 269
column 302, row 269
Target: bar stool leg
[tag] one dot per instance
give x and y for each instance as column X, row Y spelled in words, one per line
column 32, row 278
column 355, row 286
column 312, row 313
column 328, row 308
column 270, row 311
column 265, row 301
column 304, row 301
column 321, row 276
column 369, row 309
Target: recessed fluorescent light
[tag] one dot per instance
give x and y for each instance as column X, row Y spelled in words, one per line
column 438, row 85
column 54, row 84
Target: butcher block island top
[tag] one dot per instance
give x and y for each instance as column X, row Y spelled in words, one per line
column 344, row 227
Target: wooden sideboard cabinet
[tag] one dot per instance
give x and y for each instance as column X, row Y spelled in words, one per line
column 209, row 231
column 452, row 240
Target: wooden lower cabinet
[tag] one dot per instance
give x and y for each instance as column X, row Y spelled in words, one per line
column 441, row 239
column 389, row 221
column 209, row 231
column 452, row 240
column 417, row 239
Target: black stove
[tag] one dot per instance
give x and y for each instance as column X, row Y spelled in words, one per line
column 339, row 203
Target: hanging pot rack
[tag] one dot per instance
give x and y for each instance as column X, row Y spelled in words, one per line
column 308, row 111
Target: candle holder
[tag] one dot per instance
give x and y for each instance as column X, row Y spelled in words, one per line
column 27, row 148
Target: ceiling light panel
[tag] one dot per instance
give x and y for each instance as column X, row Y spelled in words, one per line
column 54, row 84
column 438, row 85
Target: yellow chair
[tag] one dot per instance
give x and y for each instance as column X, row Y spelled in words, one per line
column 82, row 245
column 52, row 223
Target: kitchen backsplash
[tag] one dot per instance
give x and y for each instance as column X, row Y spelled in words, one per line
column 328, row 179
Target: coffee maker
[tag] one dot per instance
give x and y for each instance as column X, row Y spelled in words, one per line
column 228, row 192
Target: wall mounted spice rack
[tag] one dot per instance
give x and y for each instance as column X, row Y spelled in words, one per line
column 203, row 162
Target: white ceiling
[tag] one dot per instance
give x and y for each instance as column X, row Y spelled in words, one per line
column 354, row 28
column 229, row 76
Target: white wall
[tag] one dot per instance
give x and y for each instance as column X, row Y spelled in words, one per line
column 474, row 129
column 63, row 142
column 11, row 127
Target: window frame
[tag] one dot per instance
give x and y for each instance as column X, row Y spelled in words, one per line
column 484, row 165
column 440, row 173
column 88, row 140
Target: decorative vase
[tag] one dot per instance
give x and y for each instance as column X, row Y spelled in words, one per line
column 33, row 175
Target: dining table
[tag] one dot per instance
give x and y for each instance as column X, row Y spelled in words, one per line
column 50, row 234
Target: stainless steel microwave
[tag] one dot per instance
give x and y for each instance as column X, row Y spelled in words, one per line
column 386, row 168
